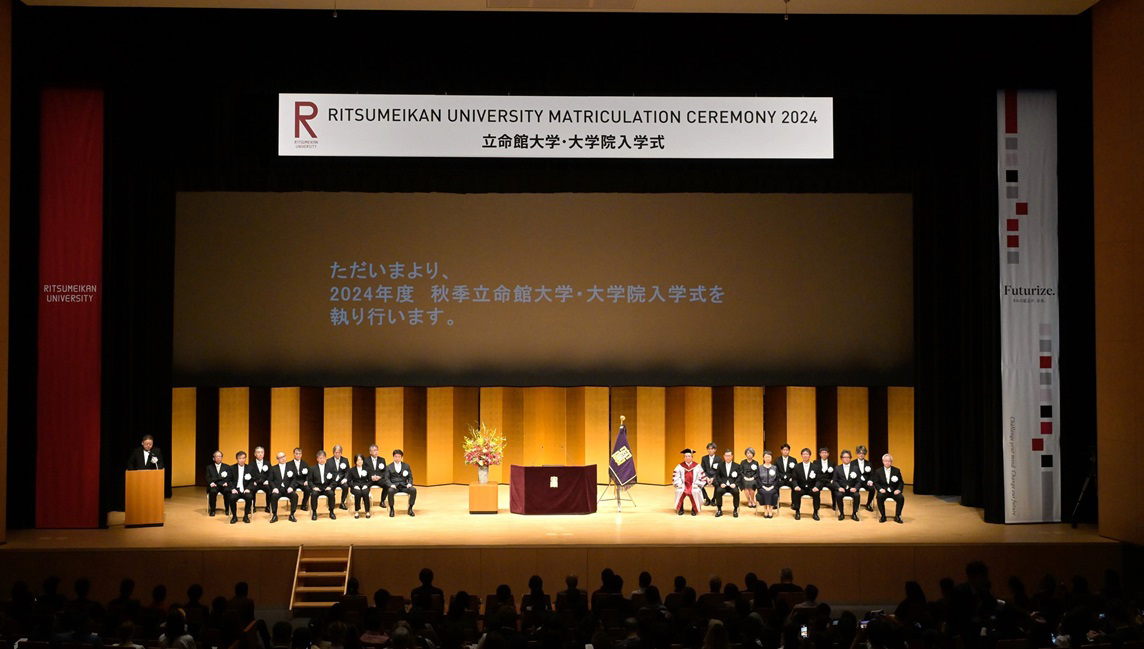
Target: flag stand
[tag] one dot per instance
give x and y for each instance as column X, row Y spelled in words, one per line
column 613, row 481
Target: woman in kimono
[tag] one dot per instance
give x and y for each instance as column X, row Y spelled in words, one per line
column 688, row 480
column 749, row 469
column 360, row 484
column 768, row 482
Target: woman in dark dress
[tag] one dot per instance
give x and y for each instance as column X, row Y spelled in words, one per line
column 768, row 483
column 749, row 469
column 360, row 484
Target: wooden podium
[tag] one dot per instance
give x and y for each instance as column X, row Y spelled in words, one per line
column 144, row 502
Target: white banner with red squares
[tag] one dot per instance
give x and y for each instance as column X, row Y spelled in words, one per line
column 469, row 126
column 1030, row 329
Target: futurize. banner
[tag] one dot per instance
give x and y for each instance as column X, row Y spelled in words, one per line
column 555, row 127
column 1030, row 395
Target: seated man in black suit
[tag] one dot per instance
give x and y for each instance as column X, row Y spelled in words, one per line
column 399, row 477
column 146, row 456
column 376, row 466
column 889, row 485
column 866, row 476
column 242, row 488
column 806, row 483
column 260, row 469
column 323, row 477
column 728, row 480
column 845, row 485
column 283, row 484
column 342, row 480
column 218, row 479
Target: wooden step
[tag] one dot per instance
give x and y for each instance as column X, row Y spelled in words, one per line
column 313, row 604
column 320, row 589
column 324, row 559
column 305, row 573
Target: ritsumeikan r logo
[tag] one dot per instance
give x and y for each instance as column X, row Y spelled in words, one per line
column 304, row 111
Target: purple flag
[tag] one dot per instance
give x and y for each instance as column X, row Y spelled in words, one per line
column 622, row 464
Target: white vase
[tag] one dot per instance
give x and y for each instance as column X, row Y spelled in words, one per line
column 483, row 474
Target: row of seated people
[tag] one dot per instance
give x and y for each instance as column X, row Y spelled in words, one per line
column 781, row 616
column 302, row 484
column 760, row 481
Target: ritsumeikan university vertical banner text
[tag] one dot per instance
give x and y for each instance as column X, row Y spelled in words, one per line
column 1030, row 394
column 555, row 127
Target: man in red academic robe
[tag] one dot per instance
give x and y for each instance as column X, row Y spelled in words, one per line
column 688, row 480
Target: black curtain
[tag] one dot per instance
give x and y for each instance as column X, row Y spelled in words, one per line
column 192, row 102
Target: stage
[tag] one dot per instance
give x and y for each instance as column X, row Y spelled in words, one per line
column 478, row 552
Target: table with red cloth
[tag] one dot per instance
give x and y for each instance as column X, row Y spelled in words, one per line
column 552, row 489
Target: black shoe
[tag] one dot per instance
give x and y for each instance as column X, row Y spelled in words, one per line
column 382, row 503
column 411, row 512
column 707, row 502
column 356, row 515
column 718, row 513
column 882, row 519
column 314, row 516
column 245, row 519
column 897, row 519
column 680, row 510
column 854, row 516
column 391, row 512
column 211, row 513
column 304, row 508
column 274, row 518
column 266, row 509
column 798, row 516
column 367, row 515
column 333, row 516
column 292, row 519
column 869, row 508
column 233, row 520
column 343, row 506
column 735, row 514
column 694, row 511
column 841, row 516
column 816, row 516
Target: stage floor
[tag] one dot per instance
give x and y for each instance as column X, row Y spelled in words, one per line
column 443, row 521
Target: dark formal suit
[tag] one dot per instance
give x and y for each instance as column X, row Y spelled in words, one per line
column 283, row 479
column 886, row 487
column 825, row 471
column 261, row 478
column 728, row 480
column 866, row 470
column 768, row 485
column 749, row 469
column 805, row 479
column 321, row 481
column 343, row 467
column 400, row 479
column 136, row 462
column 302, row 474
column 376, row 466
column 846, row 477
column 785, row 467
column 708, row 463
column 359, row 484
column 219, row 476
column 243, row 483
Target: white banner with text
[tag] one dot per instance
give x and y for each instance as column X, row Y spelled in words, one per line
column 1030, row 322
column 453, row 126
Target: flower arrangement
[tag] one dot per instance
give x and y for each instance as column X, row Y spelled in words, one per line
column 484, row 446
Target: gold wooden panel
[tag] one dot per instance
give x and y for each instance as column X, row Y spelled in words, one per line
column 801, row 420
column 900, row 416
column 688, row 422
column 574, row 423
column 775, row 419
column 337, row 420
column 545, row 426
column 449, row 410
column 853, row 419
column 749, row 420
column 182, row 462
column 414, row 431
column 1118, row 157
column 389, row 420
column 285, row 422
column 596, row 449
column 503, row 409
column 233, row 422
column 650, row 462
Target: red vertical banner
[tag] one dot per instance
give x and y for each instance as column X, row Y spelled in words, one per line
column 71, row 273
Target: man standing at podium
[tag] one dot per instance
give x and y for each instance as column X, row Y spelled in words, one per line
column 146, row 456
